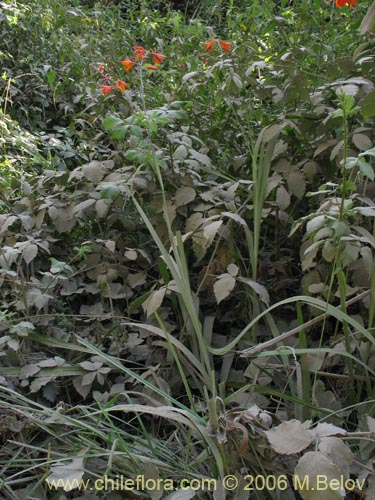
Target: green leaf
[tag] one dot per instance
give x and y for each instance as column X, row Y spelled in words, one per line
column 328, row 251
column 51, row 77
column 369, row 152
column 368, row 105
column 366, row 169
column 137, row 131
column 350, row 162
column 112, row 121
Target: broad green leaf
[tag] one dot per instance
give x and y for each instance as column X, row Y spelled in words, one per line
column 366, row 169
column 367, row 105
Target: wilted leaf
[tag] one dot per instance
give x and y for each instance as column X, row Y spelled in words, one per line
column 258, row 288
column 232, row 269
column 38, row 299
column 296, row 184
column 368, row 22
column 339, row 454
column 184, row 195
column 28, row 371
column 81, row 207
column 38, row 383
column 102, row 207
column 282, row 198
column 289, row 437
column 131, row 254
column 82, row 389
column 201, row 158
column 94, row 171
column 223, row 286
column 329, row 251
column 270, row 132
column 210, row 231
column 63, row 218
column 22, row 329
column 29, row 253
column 6, row 221
column 180, row 152
column 350, row 253
column 312, row 466
column 362, row 141
column 154, row 301
column 69, row 474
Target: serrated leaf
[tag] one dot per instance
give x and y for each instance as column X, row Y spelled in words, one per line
column 210, row 230
column 38, row 383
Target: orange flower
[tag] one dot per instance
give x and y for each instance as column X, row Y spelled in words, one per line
column 153, row 68
column 225, row 45
column 107, row 89
column 342, row 3
column 101, row 67
column 158, row 58
column 121, row 85
column 128, row 64
column 208, row 46
column 139, row 52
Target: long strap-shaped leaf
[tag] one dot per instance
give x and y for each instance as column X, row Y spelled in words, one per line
column 328, row 309
column 178, row 269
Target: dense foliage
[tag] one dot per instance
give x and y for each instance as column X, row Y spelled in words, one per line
column 187, row 246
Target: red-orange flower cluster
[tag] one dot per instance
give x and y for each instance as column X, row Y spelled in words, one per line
column 120, row 86
column 209, row 46
column 157, row 57
column 139, row 54
column 342, row 3
column 128, row 64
